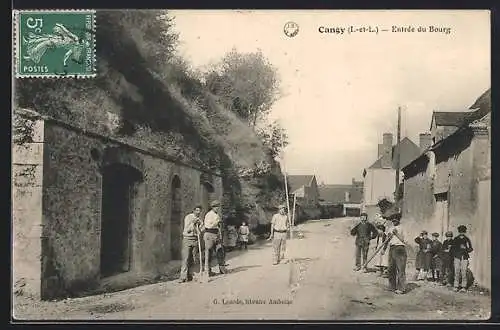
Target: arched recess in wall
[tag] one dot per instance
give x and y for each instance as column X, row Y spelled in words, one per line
column 175, row 218
column 118, row 199
column 118, row 155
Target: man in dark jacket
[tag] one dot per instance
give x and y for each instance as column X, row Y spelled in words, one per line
column 364, row 232
column 461, row 247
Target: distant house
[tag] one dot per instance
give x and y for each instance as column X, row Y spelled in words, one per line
column 305, row 189
column 379, row 179
column 347, row 196
column 450, row 185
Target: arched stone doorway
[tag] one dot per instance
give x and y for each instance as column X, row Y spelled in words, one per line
column 118, row 194
column 175, row 219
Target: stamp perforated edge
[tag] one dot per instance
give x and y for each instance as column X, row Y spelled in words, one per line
column 16, row 43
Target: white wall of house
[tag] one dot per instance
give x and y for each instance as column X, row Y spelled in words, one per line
column 299, row 192
column 378, row 183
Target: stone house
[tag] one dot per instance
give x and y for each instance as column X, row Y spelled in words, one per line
column 348, row 196
column 305, row 189
column 450, row 185
column 379, row 179
column 89, row 209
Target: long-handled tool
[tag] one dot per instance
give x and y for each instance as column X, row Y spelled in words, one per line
column 202, row 276
column 377, row 250
column 389, row 236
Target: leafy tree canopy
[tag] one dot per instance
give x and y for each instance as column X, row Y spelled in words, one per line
column 246, row 83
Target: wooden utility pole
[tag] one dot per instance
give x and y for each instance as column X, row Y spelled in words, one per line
column 398, row 156
column 286, row 183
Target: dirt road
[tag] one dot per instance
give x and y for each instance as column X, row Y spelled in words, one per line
column 318, row 285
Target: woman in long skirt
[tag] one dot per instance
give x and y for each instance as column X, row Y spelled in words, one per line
column 383, row 259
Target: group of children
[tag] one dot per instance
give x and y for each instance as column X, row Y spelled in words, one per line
column 444, row 262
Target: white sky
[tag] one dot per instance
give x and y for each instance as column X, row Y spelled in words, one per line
column 342, row 91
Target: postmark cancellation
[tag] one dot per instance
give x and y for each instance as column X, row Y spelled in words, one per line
column 54, row 43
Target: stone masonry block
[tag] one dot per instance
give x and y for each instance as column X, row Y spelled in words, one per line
column 29, row 153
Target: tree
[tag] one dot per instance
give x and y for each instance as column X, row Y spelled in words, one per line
column 246, row 83
column 274, row 137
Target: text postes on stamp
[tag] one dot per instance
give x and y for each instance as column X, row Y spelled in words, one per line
column 55, row 43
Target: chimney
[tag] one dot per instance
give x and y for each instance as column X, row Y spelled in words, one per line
column 380, row 150
column 387, row 150
column 425, row 141
column 353, row 181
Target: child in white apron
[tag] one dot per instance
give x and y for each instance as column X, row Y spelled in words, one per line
column 243, row 232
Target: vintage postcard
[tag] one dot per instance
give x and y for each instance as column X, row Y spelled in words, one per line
column 249, row 165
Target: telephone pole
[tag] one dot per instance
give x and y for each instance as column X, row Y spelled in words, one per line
column 286, row 183
column 398, row 139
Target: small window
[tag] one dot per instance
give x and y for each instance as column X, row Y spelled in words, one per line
column 441, row 196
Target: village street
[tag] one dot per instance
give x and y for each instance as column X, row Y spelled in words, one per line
column 319, row 285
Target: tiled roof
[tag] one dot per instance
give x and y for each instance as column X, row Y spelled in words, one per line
column 460, row 118
column 478, row 110
column 297, row 181
column 484, row 121
column 377, row 164
column 483, row 102
column 408, row 152
column 335, row 193
column 456, row 118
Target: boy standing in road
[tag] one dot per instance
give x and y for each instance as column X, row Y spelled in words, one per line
column 279, row 228
column 461, row 247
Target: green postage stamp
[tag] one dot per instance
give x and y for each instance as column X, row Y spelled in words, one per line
column 55, row 43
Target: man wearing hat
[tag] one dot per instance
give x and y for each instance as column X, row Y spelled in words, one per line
column 213, row 237
column 279, row 228
column 364, row 231
column 462, row 247
column 397, row 256
column 190, row 242
column 447, row 260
